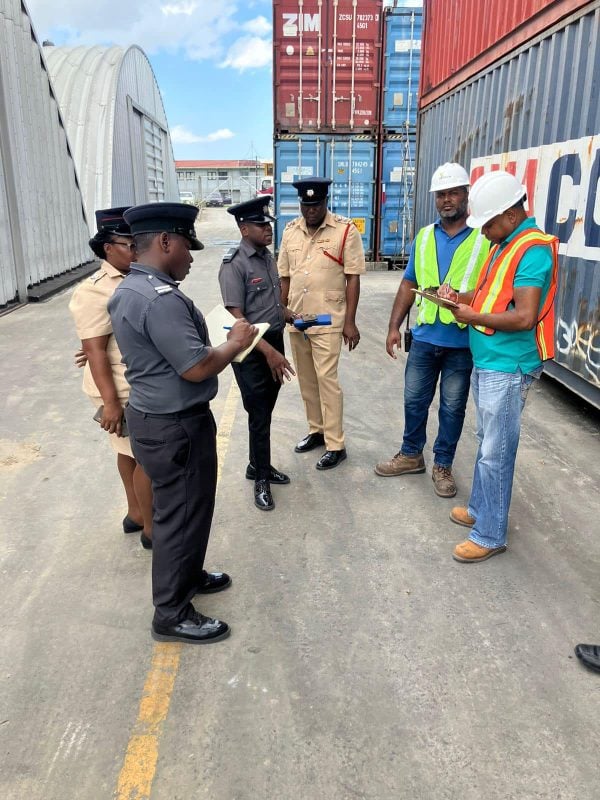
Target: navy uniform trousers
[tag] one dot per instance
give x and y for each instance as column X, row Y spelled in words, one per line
column 179, row 454
column 259, row 394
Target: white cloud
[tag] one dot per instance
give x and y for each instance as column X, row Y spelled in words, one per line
column 248, row 52
column 181, row 135
column 179, row 8
column 259, row 26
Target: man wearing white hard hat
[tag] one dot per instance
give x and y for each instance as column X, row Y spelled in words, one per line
column 452, row 252
column 511, row 332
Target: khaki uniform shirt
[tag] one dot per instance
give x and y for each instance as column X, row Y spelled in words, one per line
column 317, row 280
column 89, row 309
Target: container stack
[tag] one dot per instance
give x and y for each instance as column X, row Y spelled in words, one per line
column 327, row 100
column 402, row 28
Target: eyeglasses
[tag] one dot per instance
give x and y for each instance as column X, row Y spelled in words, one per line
column 128, row 245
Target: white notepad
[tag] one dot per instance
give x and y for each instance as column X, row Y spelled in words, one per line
column 219, row 320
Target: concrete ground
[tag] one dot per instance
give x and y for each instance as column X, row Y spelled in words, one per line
column 364, row 662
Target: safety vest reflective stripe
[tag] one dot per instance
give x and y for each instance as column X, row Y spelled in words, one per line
column 495, row 287
column 462, row 275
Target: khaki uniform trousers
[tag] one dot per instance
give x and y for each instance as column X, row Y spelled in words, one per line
column 316, row 358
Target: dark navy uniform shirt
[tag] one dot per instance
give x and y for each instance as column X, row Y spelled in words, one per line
column 161, row 334
column 249, row 281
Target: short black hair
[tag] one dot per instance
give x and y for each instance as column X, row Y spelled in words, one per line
column 520, row 203
column 143, row 241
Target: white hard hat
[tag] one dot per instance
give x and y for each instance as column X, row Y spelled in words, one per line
column 492, row 194
column 449, row 176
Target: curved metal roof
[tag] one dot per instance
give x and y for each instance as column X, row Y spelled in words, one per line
column 96, row 87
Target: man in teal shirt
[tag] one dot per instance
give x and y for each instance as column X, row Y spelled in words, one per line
column 511, row 333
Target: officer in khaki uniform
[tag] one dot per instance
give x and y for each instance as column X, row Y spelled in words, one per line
column 320, row 263
column 104, row 372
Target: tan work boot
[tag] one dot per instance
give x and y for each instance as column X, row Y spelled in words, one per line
column 470, row 552
column 443, row 482
column 401, row 465
column 461, row 516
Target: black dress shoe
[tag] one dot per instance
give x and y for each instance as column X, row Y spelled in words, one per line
column 198, row 629
column 145, row 541
column 213, row 582
column 129, row 526
column 310, row 442
column 589, row 654
column 331, row 459
column 274, row 475
column 263, row 498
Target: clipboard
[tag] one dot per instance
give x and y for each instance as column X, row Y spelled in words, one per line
column 433, row 298
column 219, row 319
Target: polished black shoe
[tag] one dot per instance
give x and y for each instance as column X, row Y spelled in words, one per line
column 211, row 582
column 145, row 541
column 129, row 526
column 309, row 442
column 263, row 498
column 331, row 459
column 198, row 629
column 589, row 654
column 274, row 475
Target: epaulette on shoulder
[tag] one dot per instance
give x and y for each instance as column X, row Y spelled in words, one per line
column 340, row 218
column 95, row 277
column 230, row 254
column 293, row 223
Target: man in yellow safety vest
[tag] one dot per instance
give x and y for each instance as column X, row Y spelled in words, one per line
column 450, row 252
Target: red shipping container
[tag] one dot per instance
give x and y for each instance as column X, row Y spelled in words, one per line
column 327, row 62
column 463, row 37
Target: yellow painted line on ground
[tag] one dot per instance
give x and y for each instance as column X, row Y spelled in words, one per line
column 139, row 765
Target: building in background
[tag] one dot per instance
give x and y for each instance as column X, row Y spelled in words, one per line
column 43, row 225
column 116, row 125
column 221, row 181
column 519, row 92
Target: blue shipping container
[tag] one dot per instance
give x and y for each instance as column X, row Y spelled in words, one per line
column 397, row 196
column 348, row 160
column 403, row 27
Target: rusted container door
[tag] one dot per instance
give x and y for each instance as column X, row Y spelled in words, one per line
column 327, row 60
column 354, row 32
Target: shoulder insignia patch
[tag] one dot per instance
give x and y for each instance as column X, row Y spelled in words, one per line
column 230, row 254
column 292, row 223
column 340, row 218
column 97, row 276
column 163, row 289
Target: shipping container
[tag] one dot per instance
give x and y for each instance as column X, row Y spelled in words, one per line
column 348, row 160
column 327, row 64
column 463, row 37
column 396, row 198
column 536, row 114
column 402, row 63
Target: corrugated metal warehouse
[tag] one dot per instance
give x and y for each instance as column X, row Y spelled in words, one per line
column 116, row 124
column 43, row 229
column 534, row 111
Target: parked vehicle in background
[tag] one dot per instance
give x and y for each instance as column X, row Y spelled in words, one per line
column 519, row 93
column 214, row 200
column 266, row 186
column 187, row 198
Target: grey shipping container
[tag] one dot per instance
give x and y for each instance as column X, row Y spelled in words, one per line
column 536, row 114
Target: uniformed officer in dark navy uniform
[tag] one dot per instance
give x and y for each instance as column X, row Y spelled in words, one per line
column 172, row 371
column 250, row 289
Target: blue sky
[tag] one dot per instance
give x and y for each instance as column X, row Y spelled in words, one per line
column 211, row 58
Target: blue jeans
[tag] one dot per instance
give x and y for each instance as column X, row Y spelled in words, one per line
column 425, row 365
column 499, row 399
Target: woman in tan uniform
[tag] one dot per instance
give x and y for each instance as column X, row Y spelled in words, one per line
column 104, row 373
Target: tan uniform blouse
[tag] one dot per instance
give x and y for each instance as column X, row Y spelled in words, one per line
column 89, row 309
column 312, row 263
